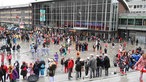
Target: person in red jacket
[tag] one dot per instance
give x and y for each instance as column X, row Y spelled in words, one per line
column 5, row 70
column 70, row 67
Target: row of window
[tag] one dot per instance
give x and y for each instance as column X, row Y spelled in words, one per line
column 137, row 6
column 92, row 16
column 21, row 12
column 132, row 22
column 13, row 19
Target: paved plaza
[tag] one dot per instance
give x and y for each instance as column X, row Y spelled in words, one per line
column 60, row 76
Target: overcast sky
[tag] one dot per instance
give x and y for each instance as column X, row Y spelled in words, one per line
column 17, row 2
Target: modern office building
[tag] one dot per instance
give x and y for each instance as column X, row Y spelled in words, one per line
column 19, row 15
column 132, row 25
column 98, row 17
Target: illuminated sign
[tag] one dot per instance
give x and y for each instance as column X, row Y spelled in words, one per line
column 42, row 15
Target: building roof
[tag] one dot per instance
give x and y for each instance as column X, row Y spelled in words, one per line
column 124, row 3
column 134, row 3
column 15, row 6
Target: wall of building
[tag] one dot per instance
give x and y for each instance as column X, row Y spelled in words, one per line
column 18, row 16
column 133, row 25
column 121, row 8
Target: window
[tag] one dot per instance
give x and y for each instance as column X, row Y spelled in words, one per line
column 130, row 6
column 134, row 6
column 144, row 22
column 144, row 6
column 138, row 22
column 140, row 6
column 130, row 21
column 123, row 22
column 137, row 6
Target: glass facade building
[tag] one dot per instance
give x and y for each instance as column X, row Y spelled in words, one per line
column 98, row 15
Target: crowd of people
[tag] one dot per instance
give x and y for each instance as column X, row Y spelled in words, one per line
column 92, row 66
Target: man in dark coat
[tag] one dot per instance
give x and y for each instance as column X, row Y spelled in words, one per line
column 78, row 68
column 98, row 66
column 92, row 66
column 36, row 68
column 106, row 64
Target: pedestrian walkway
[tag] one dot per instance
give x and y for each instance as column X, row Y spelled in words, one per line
column 25, row 55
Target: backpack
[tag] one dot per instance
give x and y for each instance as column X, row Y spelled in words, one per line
column 35, row 68
column 78, row 63
column 24, row 69
column 18, row 46
column 63, row 50
column 62, row 62
column 52, row 67
column 42, row 66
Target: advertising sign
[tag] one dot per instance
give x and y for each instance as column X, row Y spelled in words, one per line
column 42, row 15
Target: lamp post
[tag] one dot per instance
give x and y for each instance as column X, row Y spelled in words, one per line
column 126, row 34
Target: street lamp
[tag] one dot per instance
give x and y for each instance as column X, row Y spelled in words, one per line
column 126, row 34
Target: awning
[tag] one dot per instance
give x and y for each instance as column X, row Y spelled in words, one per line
column 79, row 28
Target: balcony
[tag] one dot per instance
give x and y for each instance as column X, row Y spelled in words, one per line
column 132, row 27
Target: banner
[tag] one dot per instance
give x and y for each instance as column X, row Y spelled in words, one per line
column 42, row 15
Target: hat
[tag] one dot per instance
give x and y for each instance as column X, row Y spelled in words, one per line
column 72, row 58
column 97, row 55
column 105, row 54
column 51, row 60
column 81, row 59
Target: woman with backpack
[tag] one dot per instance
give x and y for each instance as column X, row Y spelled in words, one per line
column 24, row 70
